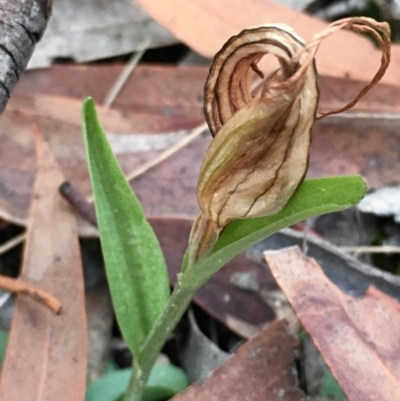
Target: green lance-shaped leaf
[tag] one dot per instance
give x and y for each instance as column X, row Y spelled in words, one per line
column 135, row 265
column 314, row 197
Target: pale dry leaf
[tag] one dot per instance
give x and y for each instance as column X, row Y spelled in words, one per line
column 357, row 337
column 345, row 55
column 46, row 357
column 97, row 29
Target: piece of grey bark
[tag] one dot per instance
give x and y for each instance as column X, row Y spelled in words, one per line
column 22, row 24
column 200, row 355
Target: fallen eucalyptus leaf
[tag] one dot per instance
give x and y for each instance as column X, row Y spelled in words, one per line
column 46, row 356
column 357, row 337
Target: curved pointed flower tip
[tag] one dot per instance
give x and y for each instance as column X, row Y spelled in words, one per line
column 259, row 155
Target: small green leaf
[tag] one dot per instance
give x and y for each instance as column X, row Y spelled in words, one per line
column 330, row 388
column 314, row 197
column 3, row 345
column 111, row 366
column 164, row 382
column 135, row 265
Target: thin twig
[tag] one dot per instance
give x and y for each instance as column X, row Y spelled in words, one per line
column 125, row 73
column 152, row 163
column 77, row 200
column 168, row 152
column 164, row 155
column 12, row 243
column 371, row 249
column 19, row 287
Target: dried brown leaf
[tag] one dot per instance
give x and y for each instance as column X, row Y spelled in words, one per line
column 261, row 369
column 358, row 338
column 46, row 357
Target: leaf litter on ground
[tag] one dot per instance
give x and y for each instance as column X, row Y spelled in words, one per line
column 150, row 104
column 46, row 356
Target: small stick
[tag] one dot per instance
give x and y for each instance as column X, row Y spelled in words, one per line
column 168, row 152
column 19, row 287
column 12, row 243
column 76, row 199
column 125, row 74
column 371, row 249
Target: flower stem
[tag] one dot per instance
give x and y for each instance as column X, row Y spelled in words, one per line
column 136, row 385
column 178, row 303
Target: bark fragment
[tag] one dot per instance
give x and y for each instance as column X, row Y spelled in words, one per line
column 22, row 24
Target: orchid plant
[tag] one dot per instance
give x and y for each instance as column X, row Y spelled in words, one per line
column 251, row 182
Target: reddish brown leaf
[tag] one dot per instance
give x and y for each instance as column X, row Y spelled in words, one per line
column 176, row 93
column 261, row 369
column 358, row 146
column 358, row 338
column 161, row 98
column 46, row 358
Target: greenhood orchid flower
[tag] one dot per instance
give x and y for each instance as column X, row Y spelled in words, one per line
column 260, row 151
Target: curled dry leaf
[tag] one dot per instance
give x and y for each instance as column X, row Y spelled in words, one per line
column 260, row 152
